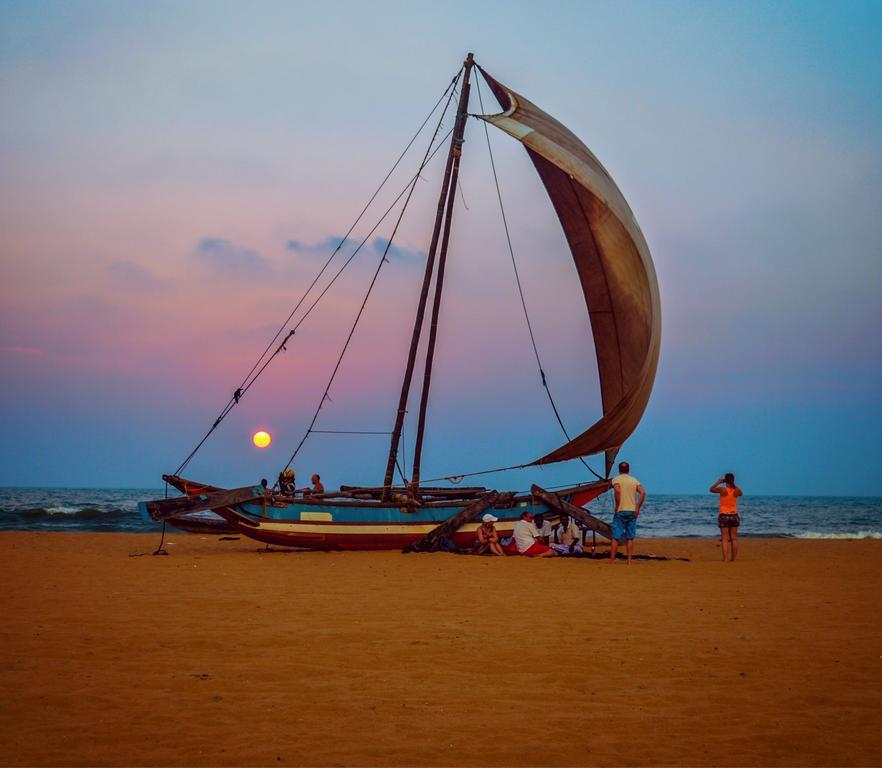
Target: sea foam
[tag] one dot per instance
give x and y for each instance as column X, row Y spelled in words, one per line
column 855, row 535
column 62, row 510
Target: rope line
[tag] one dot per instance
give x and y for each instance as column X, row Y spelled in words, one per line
column 402, row 468
column 430, row 152
column 520, row 287
column 367, row 205
column 457, row 478
column 251, row 376
column 414, row 178
column 348, row 432
column 281, row 348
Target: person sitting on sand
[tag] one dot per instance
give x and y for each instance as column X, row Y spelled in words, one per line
column 728, row 519
column 527, row 539
column 488, row 537
column 630, row 496
column 567, row 538
column 544, row 528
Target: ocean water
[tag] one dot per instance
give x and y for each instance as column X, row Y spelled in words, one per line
column 116, row 509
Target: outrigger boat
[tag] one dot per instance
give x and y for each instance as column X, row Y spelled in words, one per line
column 217, row 522
column 618, row 281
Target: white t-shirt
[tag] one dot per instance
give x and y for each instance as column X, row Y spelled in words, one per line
column 525, row 534
column 627, row 486
column 546, row 529
column 568, row 535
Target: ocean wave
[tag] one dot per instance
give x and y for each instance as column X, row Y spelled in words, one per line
column 62, row 513
column 62, row 510
column 855, row 535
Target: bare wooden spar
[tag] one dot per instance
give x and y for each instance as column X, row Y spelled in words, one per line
column 458, row 139
column 163, row 509
column 562, row 505
column 431, row 541
column 446, row 188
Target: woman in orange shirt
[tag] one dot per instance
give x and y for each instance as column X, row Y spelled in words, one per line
column 728, row 519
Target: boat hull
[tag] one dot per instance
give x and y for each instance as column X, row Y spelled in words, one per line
column 340, row 536
column 328, row 526
column 218, row 522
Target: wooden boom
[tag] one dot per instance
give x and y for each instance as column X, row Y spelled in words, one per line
column 588, row 520
column 430, row 542
column 163, row 509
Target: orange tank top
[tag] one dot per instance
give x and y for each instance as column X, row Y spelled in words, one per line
column 728, row 501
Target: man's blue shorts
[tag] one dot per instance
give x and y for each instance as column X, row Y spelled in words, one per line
column 624, row 526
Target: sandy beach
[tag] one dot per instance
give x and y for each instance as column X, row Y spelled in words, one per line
column 221, row 654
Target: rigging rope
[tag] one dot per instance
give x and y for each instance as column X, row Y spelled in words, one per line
column 251, row 376
column 348, row 432
column 520, row 288
column 456, row 479
column 430, row 152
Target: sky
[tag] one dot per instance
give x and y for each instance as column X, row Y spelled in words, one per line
column 173, row 175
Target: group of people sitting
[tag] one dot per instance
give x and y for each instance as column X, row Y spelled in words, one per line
column 287, row 484
column 533, row 536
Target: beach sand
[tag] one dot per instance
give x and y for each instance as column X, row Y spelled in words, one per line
column 221, row 654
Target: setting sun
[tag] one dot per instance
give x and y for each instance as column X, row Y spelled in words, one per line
column 262, row 439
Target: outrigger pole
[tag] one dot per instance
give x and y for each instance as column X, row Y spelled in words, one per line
column 445, row 204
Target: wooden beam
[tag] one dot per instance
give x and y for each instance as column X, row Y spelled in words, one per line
column 456, row 147
column 430, row 542
column 472, row 490
column 448, row 190
column 557, row 503
column 163, row 509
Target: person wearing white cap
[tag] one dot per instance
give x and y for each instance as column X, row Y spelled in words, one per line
column 488, row 538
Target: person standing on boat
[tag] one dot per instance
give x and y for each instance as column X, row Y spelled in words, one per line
column 728, row 519
column 630, row 496
column 488, row 537
column 567, row 538
column 527, row 539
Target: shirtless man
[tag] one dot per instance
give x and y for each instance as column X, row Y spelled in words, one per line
column 317, row 486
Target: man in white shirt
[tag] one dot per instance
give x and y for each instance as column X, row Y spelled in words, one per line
column 567, row 538
column 544, row 528
column 527, row 539
column 630, row 496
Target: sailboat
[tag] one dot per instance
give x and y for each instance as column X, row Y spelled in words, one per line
column 614, row 268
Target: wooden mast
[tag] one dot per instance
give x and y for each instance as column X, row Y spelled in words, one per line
column 447, row 190
column 458, row 139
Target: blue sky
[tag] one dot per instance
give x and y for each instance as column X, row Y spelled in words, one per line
column 157, row 161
